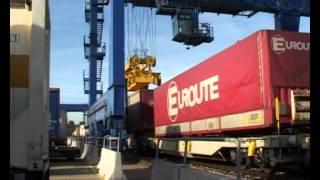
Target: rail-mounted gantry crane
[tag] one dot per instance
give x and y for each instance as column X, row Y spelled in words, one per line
column 186, row 29
column 94, row 48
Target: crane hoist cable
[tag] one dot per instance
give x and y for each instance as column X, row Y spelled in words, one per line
column 140, row 30
column 140, row 48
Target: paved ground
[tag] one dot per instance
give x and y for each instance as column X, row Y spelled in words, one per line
column 62, row 169
column 72, row 170
column 136, row 169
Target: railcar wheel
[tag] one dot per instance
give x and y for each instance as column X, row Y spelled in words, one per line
column 260, row 161
column 233, row 156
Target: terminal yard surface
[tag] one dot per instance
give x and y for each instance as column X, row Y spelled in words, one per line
column 60, row 169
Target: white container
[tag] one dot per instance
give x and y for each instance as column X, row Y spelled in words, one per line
column 29, row 86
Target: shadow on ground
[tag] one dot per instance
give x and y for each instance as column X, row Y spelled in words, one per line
column 72, row 171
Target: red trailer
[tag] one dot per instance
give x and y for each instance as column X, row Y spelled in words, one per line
column 140, row 112
column 235, row 90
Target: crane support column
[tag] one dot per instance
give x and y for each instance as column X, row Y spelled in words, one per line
column 93, row 53
column 116, row 66
column 286, row 23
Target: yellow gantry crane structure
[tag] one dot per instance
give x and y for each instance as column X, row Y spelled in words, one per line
column 139, row 74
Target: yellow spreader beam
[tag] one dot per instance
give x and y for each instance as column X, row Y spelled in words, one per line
column 138, row 73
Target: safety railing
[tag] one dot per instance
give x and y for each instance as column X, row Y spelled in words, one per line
column 99, row 141
column 204, row 29
column 89, row 140
column 109, row 140
column 203, row 32
column 87, row 10
column 86, row 47
column 102, row 49
column 86, row 86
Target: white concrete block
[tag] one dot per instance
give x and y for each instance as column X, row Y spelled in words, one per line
column 110, row 165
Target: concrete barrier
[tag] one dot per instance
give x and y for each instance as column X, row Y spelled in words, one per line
column 84, row 151
column 75, row 143
column 110, row 165
column 69, row 140
column 90, row 154
column 82, row 143
column 171, row 171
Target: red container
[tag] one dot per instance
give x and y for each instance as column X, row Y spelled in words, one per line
column 234, row 90
column 140, row 112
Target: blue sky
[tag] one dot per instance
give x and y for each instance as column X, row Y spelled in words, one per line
column 67, row 56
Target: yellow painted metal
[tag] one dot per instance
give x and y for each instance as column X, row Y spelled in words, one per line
column 277, row 112
column 276, row 105
column 251, row 148
column 139, row 74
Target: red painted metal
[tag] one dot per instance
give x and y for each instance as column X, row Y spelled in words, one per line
column 140, row 113
column 241, row 78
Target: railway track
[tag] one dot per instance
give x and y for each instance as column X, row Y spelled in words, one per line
column 229, row 170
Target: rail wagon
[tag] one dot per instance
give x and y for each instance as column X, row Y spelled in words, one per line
column 256, row 89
